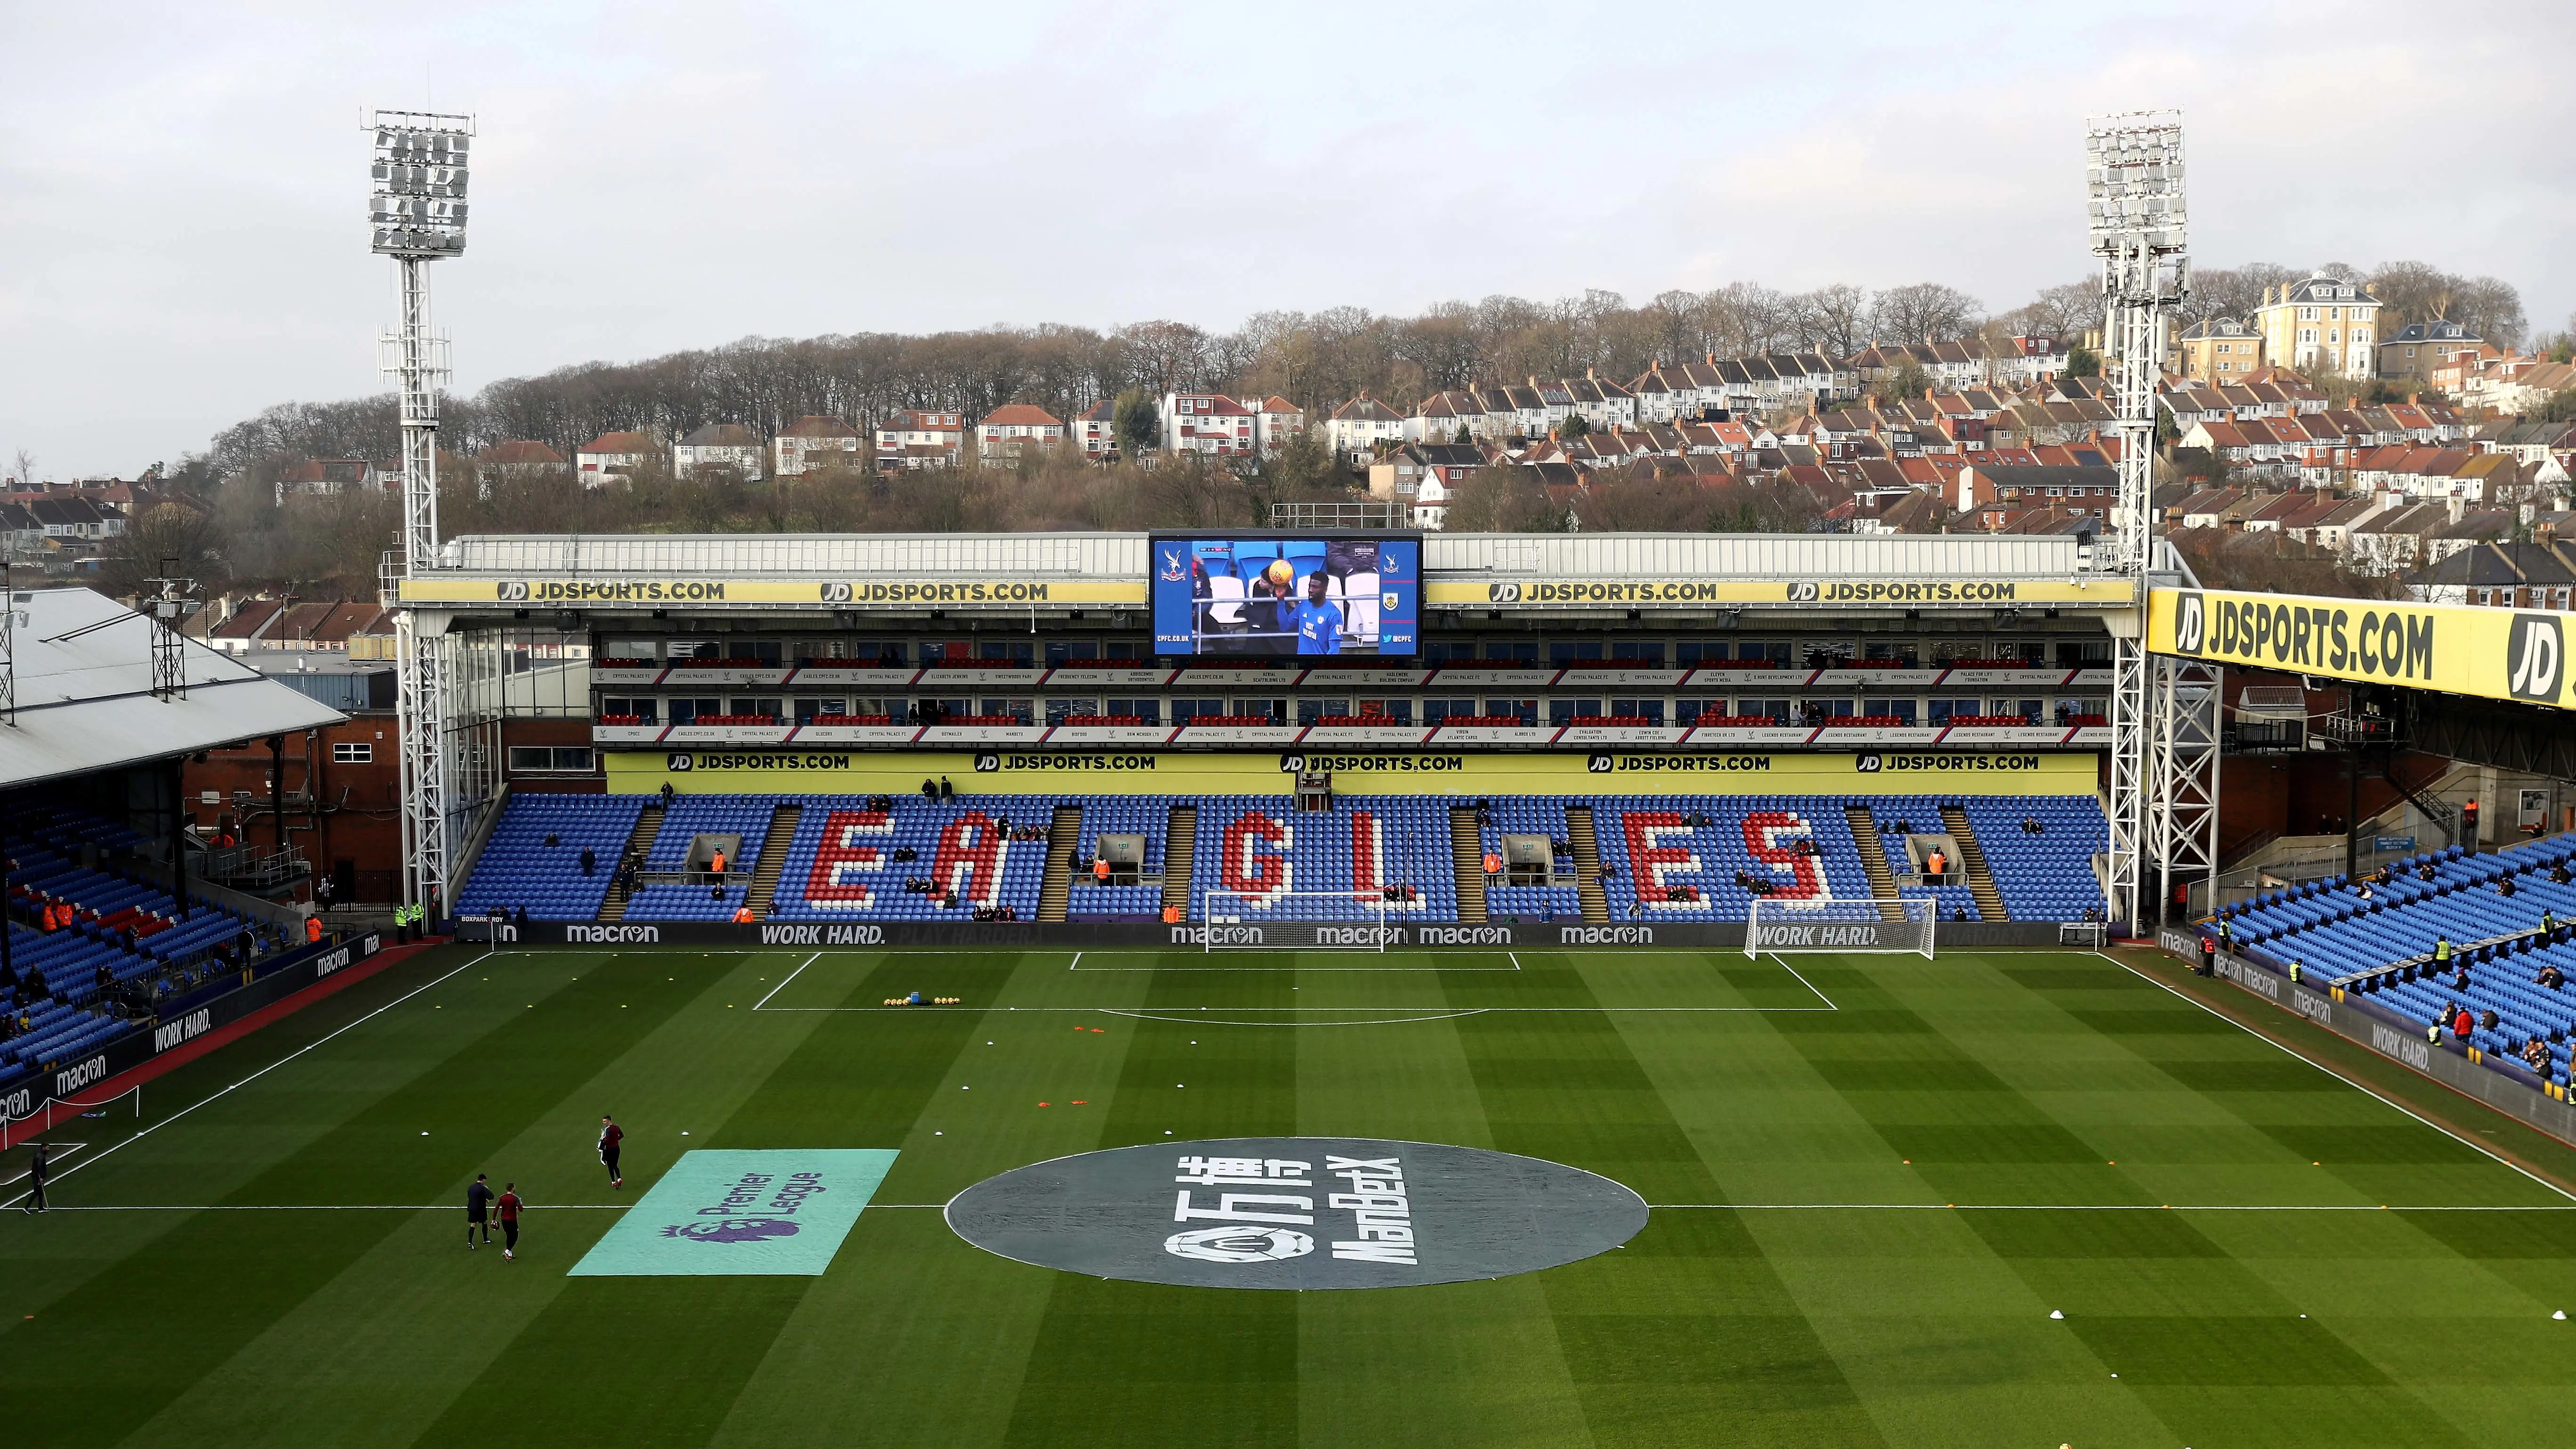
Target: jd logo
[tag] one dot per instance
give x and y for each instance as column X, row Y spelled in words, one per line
column 677, row 762
column 1866, row 764
column 987, row 762
column 1238, row 1244
column 1292, row 764
column 731, row 1230
column 2536, row 653
column 1502, row 593
column 2191, row 624
column 836, row 593
column 1597, row 764
column 515, row 592
column 1803, row 592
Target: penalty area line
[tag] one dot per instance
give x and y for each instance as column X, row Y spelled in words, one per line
column 1803, row 981
column 792, row 975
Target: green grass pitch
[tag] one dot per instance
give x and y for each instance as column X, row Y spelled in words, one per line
column 1874, row 1181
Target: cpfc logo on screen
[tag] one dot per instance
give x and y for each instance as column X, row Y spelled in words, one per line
column 1175, row 568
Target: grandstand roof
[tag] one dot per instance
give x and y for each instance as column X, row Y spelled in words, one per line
column 84, row 692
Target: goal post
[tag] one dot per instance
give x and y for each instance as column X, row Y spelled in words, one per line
column 1785, row 926
column 1293, row 920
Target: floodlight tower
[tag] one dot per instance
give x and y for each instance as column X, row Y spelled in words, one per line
column 417, row 215
column 2133, row 171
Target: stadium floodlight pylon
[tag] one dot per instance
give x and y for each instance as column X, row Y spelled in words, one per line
column 1785, row 925
column 416, row 214
column 2133, row 175
column 1294, row 920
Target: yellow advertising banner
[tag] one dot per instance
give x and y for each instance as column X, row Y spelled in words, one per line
column 2508, row 654
column 1031, row 771
column 1828, row 593
column 557, row 593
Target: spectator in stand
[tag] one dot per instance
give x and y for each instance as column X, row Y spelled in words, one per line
column 589, row 860
column 666, row 794
column 1100, row 870
column 2535, row 1055
column 2463, row 1024
column 947, row 792
column 930, row 790
column 2551, row 977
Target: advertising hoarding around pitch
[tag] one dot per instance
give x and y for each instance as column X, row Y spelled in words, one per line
column 1287, row 594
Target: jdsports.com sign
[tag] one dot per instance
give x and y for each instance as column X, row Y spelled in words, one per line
column 2490, row 653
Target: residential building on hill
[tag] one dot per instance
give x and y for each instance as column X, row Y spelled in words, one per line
column 1007, row 432
column 1207, row 422
column 1096, row 431
column 2220, row 349
column 1358, row 426
column 2416, row 349
column 2323, row 323
column 920, row 438
column 813, row 443
column 729, row 446
column 613, row 455
column 2499, row 575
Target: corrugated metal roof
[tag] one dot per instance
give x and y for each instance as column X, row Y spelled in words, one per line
column 84, row 679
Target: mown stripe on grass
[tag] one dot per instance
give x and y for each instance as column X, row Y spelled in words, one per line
column 1687, row 1335
column 681, row 1350
column 233, row 1274
column 2152, row 1297
column 1142, row 1364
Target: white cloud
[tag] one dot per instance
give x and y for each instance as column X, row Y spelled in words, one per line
column 182, row 242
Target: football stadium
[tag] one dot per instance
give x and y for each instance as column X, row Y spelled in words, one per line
column 1632, row 989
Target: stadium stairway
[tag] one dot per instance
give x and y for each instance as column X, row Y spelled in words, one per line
column 773, row 859
column 1055, row 894
column 1587, row 863
column 1180, row 858
column 1467, row 848
column 1873, row 860
column 647, row 825
column 1972, row 862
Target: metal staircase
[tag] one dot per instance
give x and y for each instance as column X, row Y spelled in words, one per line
column 773, row 859
column 1180, row 857
column 1064, row 833
column 1587, row 863
column 1972, row 860
column 1467, row 850
column 638, row 840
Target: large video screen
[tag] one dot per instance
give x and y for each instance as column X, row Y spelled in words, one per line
column 1251, row 594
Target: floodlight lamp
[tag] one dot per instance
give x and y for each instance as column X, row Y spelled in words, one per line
column 419, row 175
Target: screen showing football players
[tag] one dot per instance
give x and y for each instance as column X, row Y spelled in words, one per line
column 1287, row 595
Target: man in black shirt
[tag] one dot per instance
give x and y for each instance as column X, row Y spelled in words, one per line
column 610, row 1136
column 478, row 1204
column 36, row 1169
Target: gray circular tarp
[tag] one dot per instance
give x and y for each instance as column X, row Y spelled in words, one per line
column 1297, row 1212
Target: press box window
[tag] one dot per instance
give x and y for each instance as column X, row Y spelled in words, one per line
column 352, row 753
column 550, row 759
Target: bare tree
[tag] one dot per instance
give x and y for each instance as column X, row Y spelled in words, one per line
column 2233, row 291
column 1834, row 319
column 22, row 469
column 1926, row 312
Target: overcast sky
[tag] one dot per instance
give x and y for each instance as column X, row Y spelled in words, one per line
column 182, row 185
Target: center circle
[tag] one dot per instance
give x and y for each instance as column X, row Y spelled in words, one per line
column 1297, row 1212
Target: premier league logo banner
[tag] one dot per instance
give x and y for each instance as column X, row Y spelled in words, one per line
column 733, row 1214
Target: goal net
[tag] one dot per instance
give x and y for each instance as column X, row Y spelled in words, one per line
column 1295, row 920
column 1784, row 925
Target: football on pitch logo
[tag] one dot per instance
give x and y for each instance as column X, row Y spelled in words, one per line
column 1239, row 1244
column 731, row 1230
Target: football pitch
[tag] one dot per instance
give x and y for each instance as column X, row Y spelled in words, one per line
column 1997, row 1198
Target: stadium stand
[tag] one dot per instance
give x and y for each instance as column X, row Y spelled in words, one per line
column 519, row 869
column 121, row 947
column 1674, row 857
column 2380, row 937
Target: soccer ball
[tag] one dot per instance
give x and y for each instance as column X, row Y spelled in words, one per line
column 1281, row 574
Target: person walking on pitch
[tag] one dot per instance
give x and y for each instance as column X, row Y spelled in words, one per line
column 509, row 1206
column 36, row 1169
column 610, row 1134
column 478, row 1205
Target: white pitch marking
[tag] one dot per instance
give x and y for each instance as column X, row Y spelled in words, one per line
column 792, row 975
column 1803, row 981
column 264, row 1071
column 2340, row 1077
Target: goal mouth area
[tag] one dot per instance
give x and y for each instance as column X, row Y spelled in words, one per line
column 1902, row 924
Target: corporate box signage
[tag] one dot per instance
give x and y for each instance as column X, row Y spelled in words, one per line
column 1679, row 593
column 2505, row 654
column 1287, row 594
column 618, row 592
